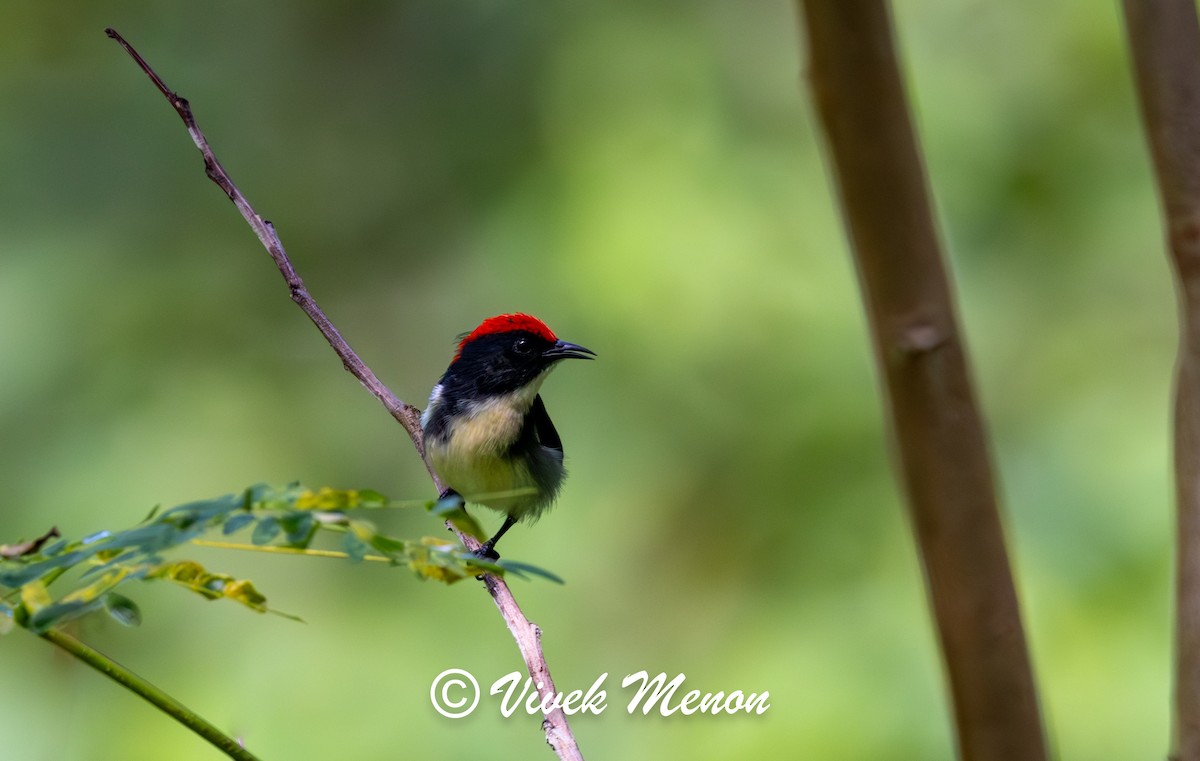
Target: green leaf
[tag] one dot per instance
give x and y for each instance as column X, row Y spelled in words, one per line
column 108, row 559
column 34, row 596
column 299, row 527
column 61, row 611
column 354, row 547
column 388, row 546
column 152, row 537
column 289, row 616
column 256, row 493
column 362, row 529
column 466, row 524
column 124, row 610
column 453, row 509
column 330, row 499
column 201, row 513
column 44, row 613
column 477, row 565
column 371, row 498
column 236, row 522
column 267, row 529
column 183, row 571
column 212, row 586
column 241, row 590
column 436, row 572
column 520, row 568
column 443, row 560
column 54, row 549
column 447, row 505
column 21, row 575
column 99, row 588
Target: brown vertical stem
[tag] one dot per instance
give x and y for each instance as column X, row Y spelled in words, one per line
column 940, row 442
column 1164, row 38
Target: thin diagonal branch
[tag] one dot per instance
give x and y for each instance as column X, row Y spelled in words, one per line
column 940, row 439
column 156, row 697
column 526, row 634
column 1164, row 39
column 407, row 415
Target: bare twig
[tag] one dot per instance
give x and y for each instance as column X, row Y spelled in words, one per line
column 527, row 635
column 939, row 436
column 1164, row 38
column 407, row 415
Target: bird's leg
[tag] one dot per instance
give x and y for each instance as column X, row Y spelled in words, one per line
column 488, row 549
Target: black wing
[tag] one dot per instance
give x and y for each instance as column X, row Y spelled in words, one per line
column 539, row 419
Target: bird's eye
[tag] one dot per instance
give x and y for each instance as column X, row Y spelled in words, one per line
column 522, row 346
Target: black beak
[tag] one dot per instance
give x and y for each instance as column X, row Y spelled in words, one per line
column 565, row 350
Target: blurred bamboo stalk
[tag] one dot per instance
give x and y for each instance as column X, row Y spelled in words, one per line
column 1164, row 39
column 939, row 439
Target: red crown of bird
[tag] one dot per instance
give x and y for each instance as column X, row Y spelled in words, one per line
column 504, row 323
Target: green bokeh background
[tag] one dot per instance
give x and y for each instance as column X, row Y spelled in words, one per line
column 647, row 178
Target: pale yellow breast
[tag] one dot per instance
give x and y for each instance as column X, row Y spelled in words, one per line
column 472, row 458
column 490, row 429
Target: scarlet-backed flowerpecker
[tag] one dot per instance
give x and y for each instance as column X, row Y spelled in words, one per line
column 486, row 430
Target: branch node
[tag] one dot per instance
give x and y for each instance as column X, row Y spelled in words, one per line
column 918, row 338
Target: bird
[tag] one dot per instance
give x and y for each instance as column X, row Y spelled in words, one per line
column 486, row 431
